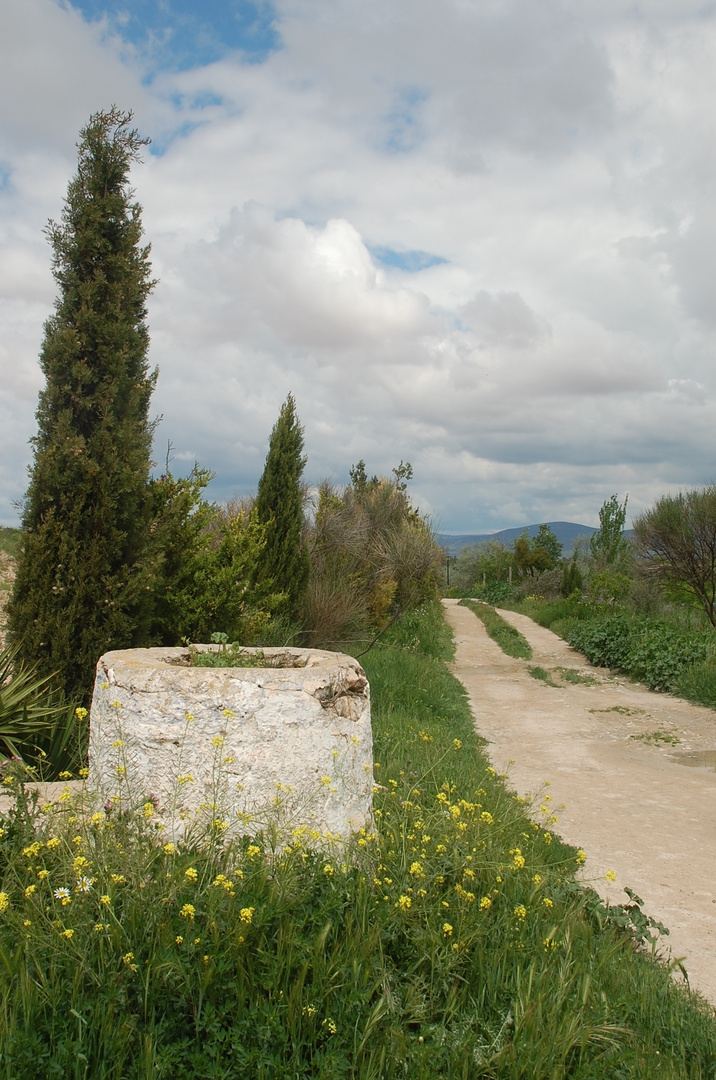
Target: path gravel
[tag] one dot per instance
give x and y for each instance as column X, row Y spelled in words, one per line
column 636, row 803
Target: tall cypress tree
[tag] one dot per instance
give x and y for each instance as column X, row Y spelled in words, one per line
column 279, row 504
column 84, row 575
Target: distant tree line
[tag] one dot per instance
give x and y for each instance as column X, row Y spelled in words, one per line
column 673, row 547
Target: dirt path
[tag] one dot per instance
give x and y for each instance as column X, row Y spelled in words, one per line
column 629, row 798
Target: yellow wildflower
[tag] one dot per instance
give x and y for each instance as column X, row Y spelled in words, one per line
column 246, row 914
column 447, row 929
column 191, row 874
column 404, row 902
column 611, row 875
column 188, row 911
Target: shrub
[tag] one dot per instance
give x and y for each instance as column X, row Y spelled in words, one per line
column 605, row 642
column 572, row 580
column 660, row 655
column 657, row 654
column 373, row 557
column 496, row 592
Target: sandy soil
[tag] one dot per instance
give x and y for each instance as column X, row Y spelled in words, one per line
column 7, row 576
column 637, row 804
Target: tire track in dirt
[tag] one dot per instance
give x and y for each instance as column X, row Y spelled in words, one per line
column 627, row 800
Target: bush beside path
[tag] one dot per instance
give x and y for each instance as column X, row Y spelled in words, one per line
column 607, row 747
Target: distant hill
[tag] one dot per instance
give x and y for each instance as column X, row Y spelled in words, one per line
column 565, row 531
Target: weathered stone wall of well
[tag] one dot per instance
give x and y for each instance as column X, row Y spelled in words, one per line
column 288, row 746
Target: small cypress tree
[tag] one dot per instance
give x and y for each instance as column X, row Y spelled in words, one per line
column 84, row 576
column 279, row 506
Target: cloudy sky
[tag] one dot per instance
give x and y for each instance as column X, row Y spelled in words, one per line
column 478, row 235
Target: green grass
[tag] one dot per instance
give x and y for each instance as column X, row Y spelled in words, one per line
column 454, row 943
column 576, row 678
column 10, row 540
column 542, row 675
column 510, row 640
column 656, row 738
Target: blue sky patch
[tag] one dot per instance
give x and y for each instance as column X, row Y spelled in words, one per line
column 410, row 261
column 182, row 34
column 404, row 128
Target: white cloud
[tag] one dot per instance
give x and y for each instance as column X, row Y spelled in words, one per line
column 559, row 158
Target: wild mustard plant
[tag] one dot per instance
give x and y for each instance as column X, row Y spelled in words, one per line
column 450, row 938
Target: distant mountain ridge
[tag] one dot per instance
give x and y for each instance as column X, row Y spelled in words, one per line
column 567, row 532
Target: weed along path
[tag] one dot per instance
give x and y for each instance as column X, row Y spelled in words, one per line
column 632, row 774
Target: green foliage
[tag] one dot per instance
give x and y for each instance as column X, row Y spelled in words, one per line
column 547, row 540
column 206, row 566
column 28, row 708
column 698, row 682
column 180, row 536
column 651, row 651
column 391, row 963
column 605, row 642
column 84, row 576
column 496, row 592
column 510, row 640
column 608, row 544
column 372, row 558
column 572, row 579
column 609, row 586
column 489, row 561
column 677, row 538
column 534, row 555
column 284, row 560
column 660, row 654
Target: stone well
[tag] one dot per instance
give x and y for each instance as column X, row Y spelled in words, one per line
column 289, row 745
